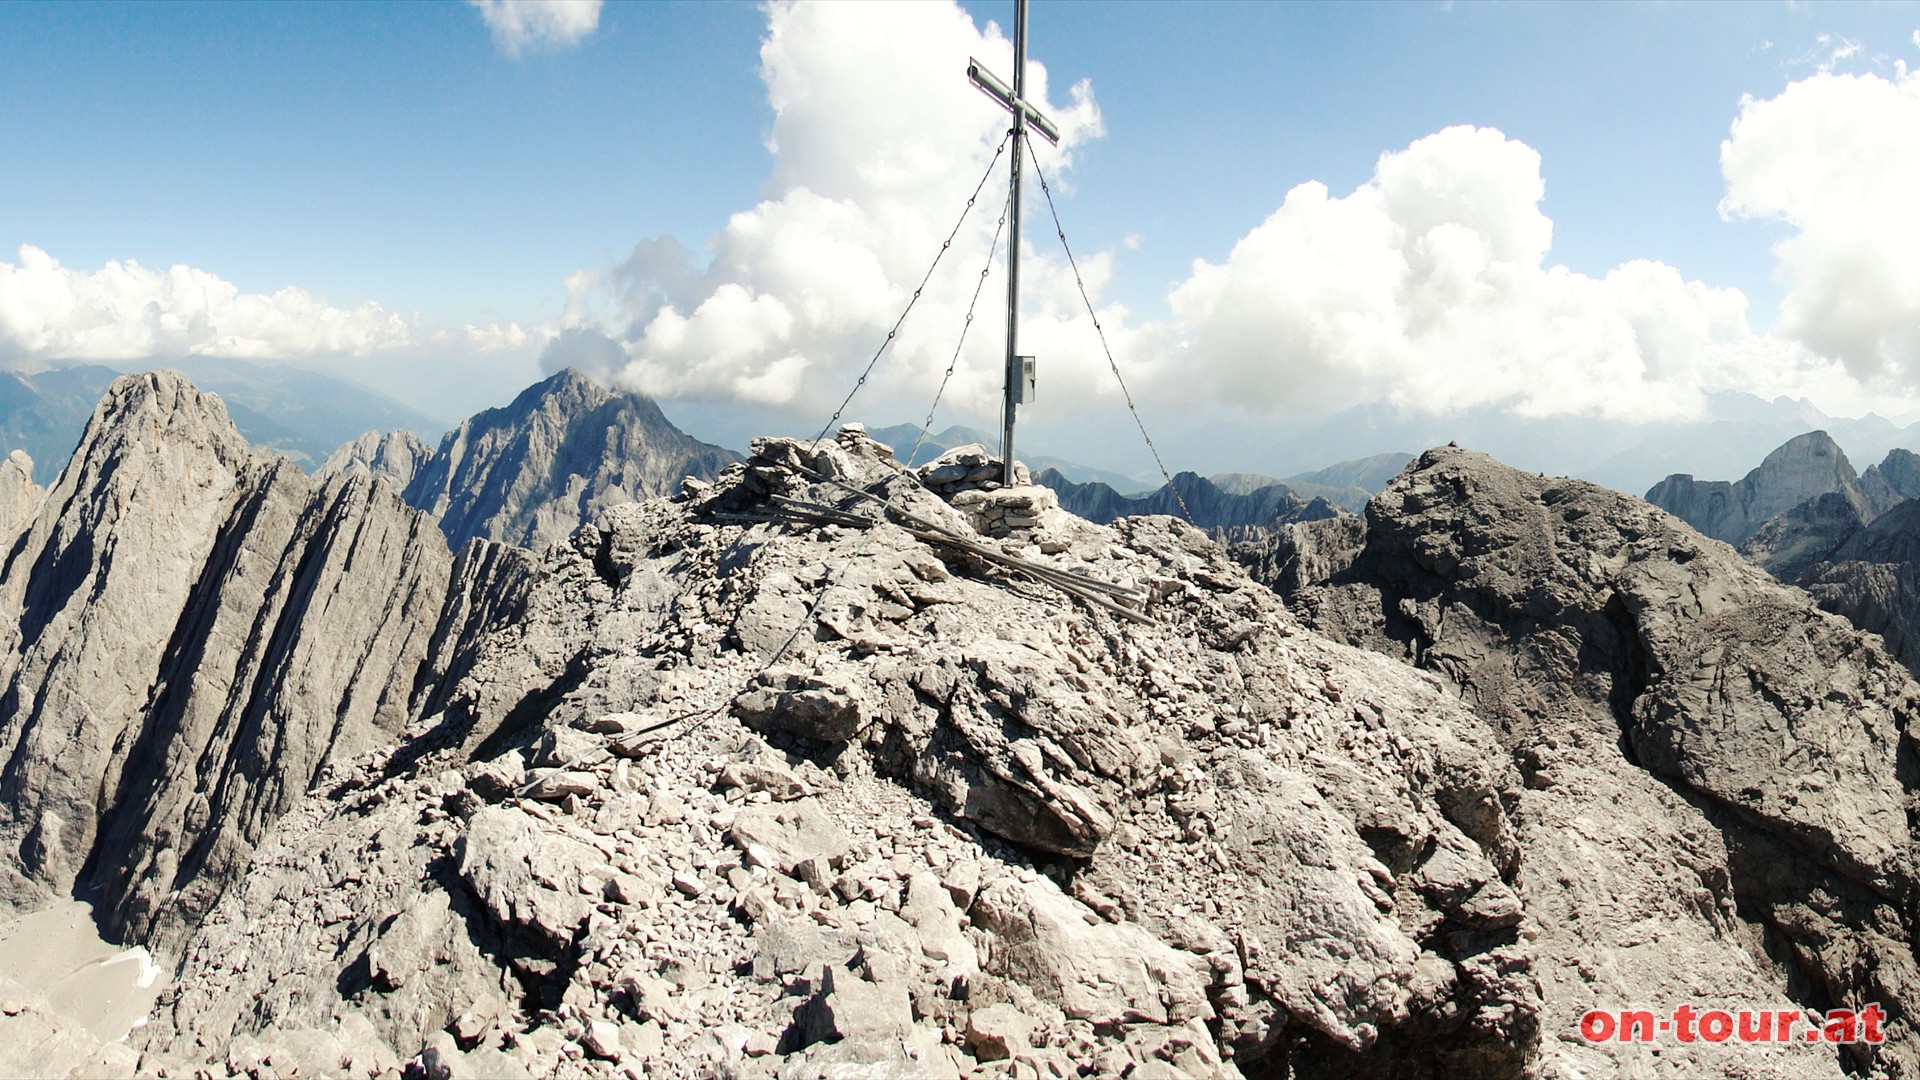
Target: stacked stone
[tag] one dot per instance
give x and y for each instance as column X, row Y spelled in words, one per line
column 967, row 468
column 1023, row 514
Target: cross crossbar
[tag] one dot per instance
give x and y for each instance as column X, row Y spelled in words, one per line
column 1002, row 93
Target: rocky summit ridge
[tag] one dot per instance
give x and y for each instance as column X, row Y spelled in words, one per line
column 794, row 800
column 829, row 767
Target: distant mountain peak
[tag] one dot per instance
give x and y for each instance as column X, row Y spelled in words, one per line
column 394, row 456
column 1802, row 468
column 561, row 452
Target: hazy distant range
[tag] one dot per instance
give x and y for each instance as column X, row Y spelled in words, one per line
column 307, row 414
column 302, row 414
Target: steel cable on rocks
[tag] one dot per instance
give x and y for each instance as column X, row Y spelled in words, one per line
column 631, row 743
column 915, row 298
column 992, row 251
column 1061, row 232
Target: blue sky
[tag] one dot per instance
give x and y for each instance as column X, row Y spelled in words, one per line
column 408, row 173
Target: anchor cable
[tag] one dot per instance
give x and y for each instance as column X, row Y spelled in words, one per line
column 964, row 327
column 944, row 245
column 1061, row 232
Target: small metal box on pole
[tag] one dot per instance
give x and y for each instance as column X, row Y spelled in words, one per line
column 1019, row 385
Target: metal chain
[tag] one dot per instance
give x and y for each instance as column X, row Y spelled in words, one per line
column 947, row 243
column 964, row 327
column 1084, row 298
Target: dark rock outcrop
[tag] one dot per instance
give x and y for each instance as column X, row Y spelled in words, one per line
column 1803, row 468
column 1874, row 581
column 1295, row 555
column 560, row 454
column 1736, row 764
column 1790, row 544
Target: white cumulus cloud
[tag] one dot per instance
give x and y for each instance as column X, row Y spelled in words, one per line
column 125, row 311
column 878, row 138
column 520, row 25
column 1429, row 286
column 1837, row 158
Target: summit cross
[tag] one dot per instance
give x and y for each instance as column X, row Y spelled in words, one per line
column 1014, row 100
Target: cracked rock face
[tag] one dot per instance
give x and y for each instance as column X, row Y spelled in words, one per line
column 1874, row 580
column 1734, row 764
column 19, row 495
column 194, row 629
column 394, row 456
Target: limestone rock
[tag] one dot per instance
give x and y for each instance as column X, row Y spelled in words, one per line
column 1893, row 481
column 19, row 496
column 527, row 878
column 898, row 810
column 1624, row 658
column 163, row 709
column 1873, row 580
column 791, row 833
column 849, row 1007
column 1268, row 832
column 394, row 456
column 1098, row 972
column 1298, row 553
column 1787, row 545
column 998, row 1032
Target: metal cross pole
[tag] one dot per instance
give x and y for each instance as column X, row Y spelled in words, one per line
column 1024, row 115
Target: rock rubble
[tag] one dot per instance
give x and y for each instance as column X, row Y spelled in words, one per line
column 958, row 825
